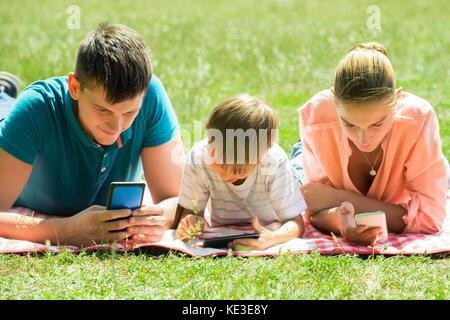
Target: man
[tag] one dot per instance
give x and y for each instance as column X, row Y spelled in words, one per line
column 68, row 138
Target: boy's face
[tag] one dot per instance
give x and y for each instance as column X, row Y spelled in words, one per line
column 101, row 121
column 226, row 172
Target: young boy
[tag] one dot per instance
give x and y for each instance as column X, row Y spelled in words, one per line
column 242, row 176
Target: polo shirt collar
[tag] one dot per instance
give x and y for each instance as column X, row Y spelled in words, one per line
column 75, row 128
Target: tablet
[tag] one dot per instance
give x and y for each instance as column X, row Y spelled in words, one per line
column 221, row 242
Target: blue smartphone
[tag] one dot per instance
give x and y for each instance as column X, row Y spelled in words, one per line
column 125, row 195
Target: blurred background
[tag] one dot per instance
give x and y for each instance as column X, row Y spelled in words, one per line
column 203, row 51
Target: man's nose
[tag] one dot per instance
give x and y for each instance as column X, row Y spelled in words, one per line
column 115, row 123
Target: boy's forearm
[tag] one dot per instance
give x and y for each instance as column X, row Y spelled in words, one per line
column 290, row 229
column 19, row 227
column 180, row 213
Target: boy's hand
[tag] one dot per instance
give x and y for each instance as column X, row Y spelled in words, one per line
column 191, row 225
column 362, row 234
column 266, row 239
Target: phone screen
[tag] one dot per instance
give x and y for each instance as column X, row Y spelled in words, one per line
column 125, row 195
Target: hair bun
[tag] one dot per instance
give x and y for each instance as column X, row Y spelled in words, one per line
column 372, row 46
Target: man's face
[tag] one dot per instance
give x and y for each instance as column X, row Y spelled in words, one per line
column 102, row 121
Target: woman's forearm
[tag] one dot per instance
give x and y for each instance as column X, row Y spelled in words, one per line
column 394, row 213
column 327, row 220
column 361, row 203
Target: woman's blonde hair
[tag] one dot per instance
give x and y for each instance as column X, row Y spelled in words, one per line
column 246, row 113
column 365, row 74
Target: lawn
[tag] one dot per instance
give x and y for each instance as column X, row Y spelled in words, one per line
column 203, row 51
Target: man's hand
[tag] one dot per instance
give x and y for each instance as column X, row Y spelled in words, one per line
column 93, row 225
column 147, row 224
column 96, row 224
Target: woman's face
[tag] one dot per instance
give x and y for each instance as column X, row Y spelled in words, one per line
column 366, row 124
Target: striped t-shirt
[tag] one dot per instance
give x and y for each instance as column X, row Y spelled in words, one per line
column 269, row 192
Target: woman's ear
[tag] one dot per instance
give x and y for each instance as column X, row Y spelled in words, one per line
column 332, row 90
column 74, row 86
column 398, row 92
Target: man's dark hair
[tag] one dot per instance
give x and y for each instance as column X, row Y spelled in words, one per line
column 117, row 58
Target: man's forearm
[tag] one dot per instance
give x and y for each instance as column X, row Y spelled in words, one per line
column 33, row 229
column 170, row 210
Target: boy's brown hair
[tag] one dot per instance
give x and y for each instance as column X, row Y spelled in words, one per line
column 245, row 115
column 117, row 58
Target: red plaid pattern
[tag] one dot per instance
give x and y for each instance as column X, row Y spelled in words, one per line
column 312, row 240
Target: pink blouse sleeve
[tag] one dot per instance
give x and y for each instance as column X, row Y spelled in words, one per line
column 312, row 167
column 426, row 180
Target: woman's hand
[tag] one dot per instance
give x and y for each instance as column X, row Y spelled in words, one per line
column 191, row 225
column 319, row 196
column 362, row 234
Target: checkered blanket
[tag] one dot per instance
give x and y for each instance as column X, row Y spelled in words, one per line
column 311, row 240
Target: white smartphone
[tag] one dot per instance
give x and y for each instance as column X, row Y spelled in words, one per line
column 373, row 219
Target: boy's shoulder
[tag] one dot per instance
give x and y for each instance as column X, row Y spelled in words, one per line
column 198, row 153
column 274, row 157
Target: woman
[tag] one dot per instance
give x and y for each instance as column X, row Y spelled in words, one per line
column 366, row 145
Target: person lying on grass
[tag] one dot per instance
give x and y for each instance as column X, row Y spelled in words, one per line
column 366, row 145
column 67, row 138
column 243, row 176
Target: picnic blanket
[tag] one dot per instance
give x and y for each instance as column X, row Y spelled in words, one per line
column 312, row 240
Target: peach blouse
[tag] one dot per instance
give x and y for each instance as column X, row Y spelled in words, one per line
column 412, row 172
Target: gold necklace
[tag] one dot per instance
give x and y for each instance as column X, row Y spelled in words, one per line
column 372, row 172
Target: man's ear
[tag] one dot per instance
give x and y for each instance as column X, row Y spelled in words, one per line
column 74, row 86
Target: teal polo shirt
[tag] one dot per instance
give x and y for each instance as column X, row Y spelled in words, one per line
column 70, row 171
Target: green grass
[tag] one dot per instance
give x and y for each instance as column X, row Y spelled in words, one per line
column 203, row 51
column 105, row 275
